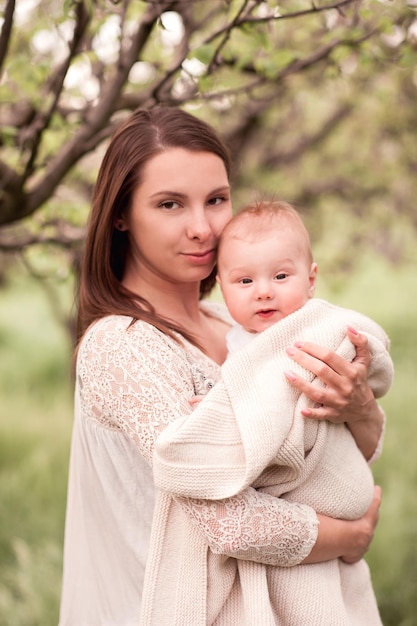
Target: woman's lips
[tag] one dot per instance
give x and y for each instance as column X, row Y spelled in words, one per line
column 201, row 258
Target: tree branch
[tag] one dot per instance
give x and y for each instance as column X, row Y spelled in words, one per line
column 309, row 141
column 226, row 36
column 6, row 31
column 91, row 133
column 66, row 236
column 10, row 181
column 249, row 19
column 300, row 65
column 54, row 86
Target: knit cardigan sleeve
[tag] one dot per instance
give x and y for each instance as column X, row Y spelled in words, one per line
column 249, row 419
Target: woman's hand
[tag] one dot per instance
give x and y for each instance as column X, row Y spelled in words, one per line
column 347, row 540
column 363, row 531
column 346, row 396
column 195, row 400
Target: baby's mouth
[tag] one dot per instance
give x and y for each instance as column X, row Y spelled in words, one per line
column 265, row 312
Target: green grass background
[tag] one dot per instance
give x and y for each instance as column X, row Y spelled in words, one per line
column 35, row 430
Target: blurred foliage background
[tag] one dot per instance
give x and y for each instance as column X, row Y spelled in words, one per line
column 317, row 101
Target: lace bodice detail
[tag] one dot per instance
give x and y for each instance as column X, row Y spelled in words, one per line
column 134, row 380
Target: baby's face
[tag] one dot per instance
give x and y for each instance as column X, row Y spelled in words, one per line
column 265, row 280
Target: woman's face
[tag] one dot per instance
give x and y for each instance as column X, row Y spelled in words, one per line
column 176, row 216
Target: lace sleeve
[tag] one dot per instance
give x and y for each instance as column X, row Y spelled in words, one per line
column 255, row 526
column 138, row 381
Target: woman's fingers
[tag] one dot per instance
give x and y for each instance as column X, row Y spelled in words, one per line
column 365, row 530
column 360, row 342
column 322, row 361
column 344, row 391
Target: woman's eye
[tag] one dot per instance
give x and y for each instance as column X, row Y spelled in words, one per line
column 216, row 200
column 169, row 204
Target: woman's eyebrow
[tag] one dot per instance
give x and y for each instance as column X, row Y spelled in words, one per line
column 178, row 194
column 220, row 190
column 167, row 192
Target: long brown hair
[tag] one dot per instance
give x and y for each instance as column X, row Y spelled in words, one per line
column 145, row 134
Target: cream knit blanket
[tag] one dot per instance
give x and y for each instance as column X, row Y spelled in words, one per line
column 248, row 430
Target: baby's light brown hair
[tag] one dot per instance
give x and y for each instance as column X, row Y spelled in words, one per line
column 260, row 217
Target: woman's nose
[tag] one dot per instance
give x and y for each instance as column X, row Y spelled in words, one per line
column 198, row 225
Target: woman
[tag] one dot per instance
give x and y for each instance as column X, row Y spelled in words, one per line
column 148, row 344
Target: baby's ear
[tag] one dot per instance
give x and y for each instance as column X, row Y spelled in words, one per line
column 312, row 279
column 218, row 279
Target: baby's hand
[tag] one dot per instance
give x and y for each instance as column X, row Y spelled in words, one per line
column 195, row 400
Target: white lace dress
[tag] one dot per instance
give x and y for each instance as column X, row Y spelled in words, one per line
column 131, row 382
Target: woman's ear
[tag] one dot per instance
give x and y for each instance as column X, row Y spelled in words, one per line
column 120, row 224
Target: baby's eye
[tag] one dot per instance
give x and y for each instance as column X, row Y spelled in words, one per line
column 245, row 281
column 169, row 204
column 280, row 276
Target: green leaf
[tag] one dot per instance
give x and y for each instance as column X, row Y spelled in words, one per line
column 204, row 53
